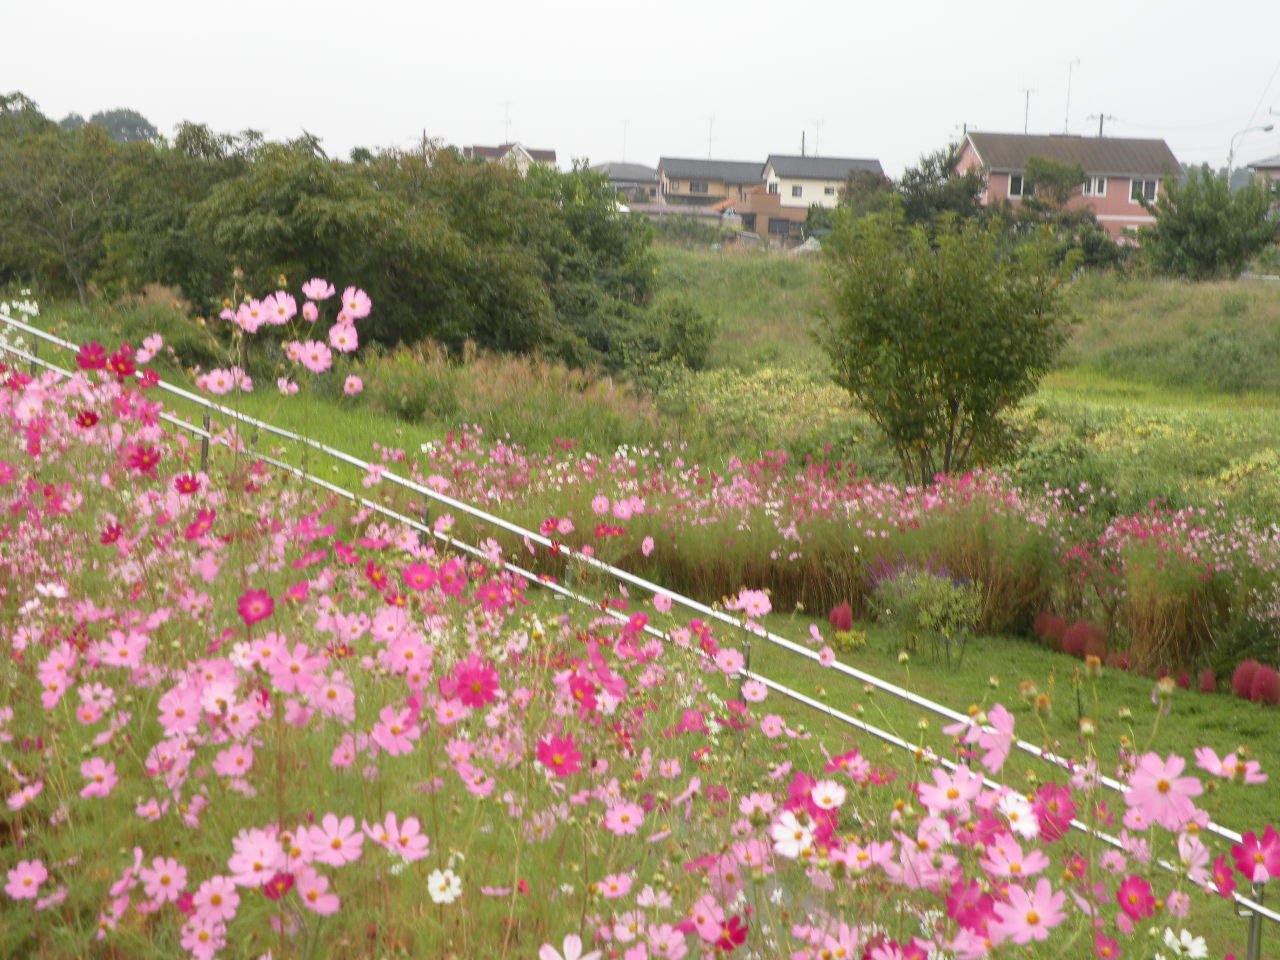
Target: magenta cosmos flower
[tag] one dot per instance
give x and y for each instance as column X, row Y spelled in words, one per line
column 1158, row 791
column 255, row 605
column 561, row 757
column 1258, row 859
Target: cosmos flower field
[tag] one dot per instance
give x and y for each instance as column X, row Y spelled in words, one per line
column 242, row 718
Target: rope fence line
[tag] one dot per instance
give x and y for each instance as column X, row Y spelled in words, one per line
column 1247, row 907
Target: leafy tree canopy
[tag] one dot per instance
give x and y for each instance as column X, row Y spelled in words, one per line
column 937, row 333
column 933, row 188
column 125, row 126
column 1205, row 232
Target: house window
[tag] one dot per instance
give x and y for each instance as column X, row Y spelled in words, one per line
column 697, row 188
column 1095, row 187
column 773, row 188
column 1015, row 185
column 779, row 226
column 1140, row 190
column 675, row 184
column 829, row 191
column 797, row 190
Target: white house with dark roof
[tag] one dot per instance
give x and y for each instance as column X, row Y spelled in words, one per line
column 805, row 181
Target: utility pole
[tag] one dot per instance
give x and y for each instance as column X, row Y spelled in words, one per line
column 1066, row 123
column 1026, row 109
column 1100, row 117
column 711, row 125
column 802, row 143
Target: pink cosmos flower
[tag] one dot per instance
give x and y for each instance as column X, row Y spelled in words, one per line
column 25, row 879
column 352, row 386
column 1134, row 897
column 315, row 356
column 406, row 839
column 1157, row 790
column 753, row 691
column 164, row 879
column 560, row 756
column 1258, row 858
column 256, row 858
column 356, row 303
column 615, row 885
column 234, row 761
column 280, row 308
column 255, row 605
column 317, row 289
column 661, row 602
column 624, row 819
column 203, row 937
column 216, row 900
column 646, row 546
column 286, row 386
column 730, row 661
column 310, row 312
column 1229, row 767
column 313, row 891
column 1030, row 916
column 826, row 656
column 335, row 842
column 150, row 347
column 572, row 950
column 101, row 776
column 600, row 505
column 343, row 337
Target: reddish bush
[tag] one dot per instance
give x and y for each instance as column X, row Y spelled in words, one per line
column 1208, row 682
column 842, row 616
column 1242, row 678
column 1084, row 639
column 1049, row 629
column 1118, row 661
column 1184, row 680
column 1266, row 686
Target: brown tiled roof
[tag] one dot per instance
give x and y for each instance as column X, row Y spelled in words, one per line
column 1110, row 156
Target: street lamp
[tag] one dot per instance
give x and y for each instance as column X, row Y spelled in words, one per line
column 1231, row 153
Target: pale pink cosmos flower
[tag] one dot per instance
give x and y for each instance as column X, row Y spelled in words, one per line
column 572, row 950
column 826, row 656
column 317, row 289
column 257, row 858
column 753, row 691
column 1029, row 916
column 216, row 900
column 25, row 879
column 600, row 505
column 1229, row 767
column 203, row 937
column 216, row 382
column 313, row 891
column 101, row 776
column 164, row 880
column 730, row 661
column 335, row 842
column 405, row 839
column 352, row 386
column 315, row 356
column 772, row 725
column 661, row 602
column 343, row 337
column 310, row 312
column 1003, row 857
column 624, row 819
column 150, row 347
column 1160, row 793
column 282, row 308
column 615, row 885
column 996, row 743
column 356, row 302
column 286, row 386
column 646, row 546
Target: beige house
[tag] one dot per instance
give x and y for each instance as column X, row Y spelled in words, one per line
column 1268, row 169
column 703, row 182
column 513, row 154
column 802, row 182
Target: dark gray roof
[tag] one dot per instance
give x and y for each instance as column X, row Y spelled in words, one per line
column 1271, row 163
column 1112, row 156
column 629, row 172
column 820, row 168
column 730, row 171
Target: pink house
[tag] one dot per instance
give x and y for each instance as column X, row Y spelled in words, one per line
column 1120, row 173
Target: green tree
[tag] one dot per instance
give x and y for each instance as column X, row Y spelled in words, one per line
column 125, row 126
column 934, row 188
column 1205, row 232
column 55, row 196
column 866, row 191
column 937, row 334
column 1052, row 181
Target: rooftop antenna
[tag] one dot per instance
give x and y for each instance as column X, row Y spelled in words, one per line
column 802, row 143
column 1100, row 117
column 1066, row 121
column 817, row 138
column 1026, row 109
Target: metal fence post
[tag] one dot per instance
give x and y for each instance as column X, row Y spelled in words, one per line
column 204, row 446
column 1254, row 950
column 35, row 352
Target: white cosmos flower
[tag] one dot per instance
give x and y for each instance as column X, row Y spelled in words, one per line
column 444, row 886
column 790, row 836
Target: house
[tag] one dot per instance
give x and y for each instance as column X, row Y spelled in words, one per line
column 635, row 181
column 514, row 154
column 1268, row 169
column 1120, row 173
column 805, row 181
column 763, row 213
column 702, row 182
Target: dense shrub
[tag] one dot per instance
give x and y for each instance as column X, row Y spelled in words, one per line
column 929, row 607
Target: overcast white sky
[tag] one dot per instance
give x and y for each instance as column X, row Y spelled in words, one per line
column 890, row 80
